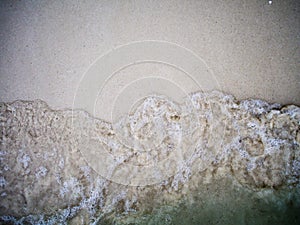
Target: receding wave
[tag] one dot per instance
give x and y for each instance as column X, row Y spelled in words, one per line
column 212, row 159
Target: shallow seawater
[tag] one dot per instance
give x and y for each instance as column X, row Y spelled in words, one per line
column 211, row 160
column 221, row 203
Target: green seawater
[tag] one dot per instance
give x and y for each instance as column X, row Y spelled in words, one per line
column 221, row 202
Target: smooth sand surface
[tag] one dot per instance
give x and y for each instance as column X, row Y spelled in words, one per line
column 251, row 46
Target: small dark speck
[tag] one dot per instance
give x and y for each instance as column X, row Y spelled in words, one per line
column 175, row 117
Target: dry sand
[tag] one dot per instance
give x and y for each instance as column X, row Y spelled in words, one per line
column 252, row 46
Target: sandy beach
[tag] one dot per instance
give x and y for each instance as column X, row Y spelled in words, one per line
column 149, row 112
column 251, row 46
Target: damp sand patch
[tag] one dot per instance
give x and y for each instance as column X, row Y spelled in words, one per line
column 212, row 159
